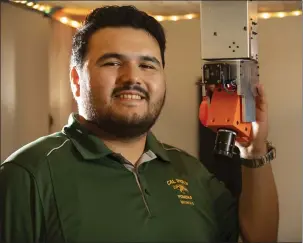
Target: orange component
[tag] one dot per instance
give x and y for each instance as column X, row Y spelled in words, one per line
column 224, row 111
column 203, row 111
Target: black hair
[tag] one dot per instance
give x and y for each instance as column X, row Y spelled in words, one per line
column 114, row 16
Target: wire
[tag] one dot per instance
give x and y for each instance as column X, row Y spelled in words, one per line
column 226, row 83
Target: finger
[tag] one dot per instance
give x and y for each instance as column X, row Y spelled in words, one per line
column 261, row 93
column 261, row 101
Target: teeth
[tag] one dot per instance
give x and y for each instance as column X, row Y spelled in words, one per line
column 130, row 97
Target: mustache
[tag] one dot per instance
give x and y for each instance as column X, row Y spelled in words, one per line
column 131, row 87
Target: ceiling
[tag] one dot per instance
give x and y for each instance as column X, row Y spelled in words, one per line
column 81, row 8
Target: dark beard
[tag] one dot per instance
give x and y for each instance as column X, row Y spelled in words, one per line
column 122, row 129
column 119, row 127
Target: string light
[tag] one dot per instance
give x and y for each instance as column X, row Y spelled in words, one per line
column 189, row 16
column 265, row 15
column 174, row 18
column 159, row 18
column 30, row 4
column 279, row 14
column 75, row 24
column 42, row 8
column 64, row 20
column 296, row 13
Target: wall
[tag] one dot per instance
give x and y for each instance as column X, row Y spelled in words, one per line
column 61, row 100
column 24, row 77
column 280, row 52
column 281, row 73
column 178, row 121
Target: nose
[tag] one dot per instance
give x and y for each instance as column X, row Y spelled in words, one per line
column 129, row 73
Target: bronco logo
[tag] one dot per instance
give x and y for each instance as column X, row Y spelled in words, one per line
column 181, row 188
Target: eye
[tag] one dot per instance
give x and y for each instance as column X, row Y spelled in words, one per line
column 112, row 64
column 147, row 66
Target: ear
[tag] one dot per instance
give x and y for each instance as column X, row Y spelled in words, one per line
column 74, row 77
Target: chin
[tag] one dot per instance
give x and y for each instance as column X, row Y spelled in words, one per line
column 129, row 111
column 130, row 117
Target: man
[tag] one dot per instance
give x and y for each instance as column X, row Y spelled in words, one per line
column 106, row 178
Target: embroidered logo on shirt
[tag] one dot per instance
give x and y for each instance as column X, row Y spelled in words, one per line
column 182, row 187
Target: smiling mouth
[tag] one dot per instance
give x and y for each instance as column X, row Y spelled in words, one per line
column 130, row 96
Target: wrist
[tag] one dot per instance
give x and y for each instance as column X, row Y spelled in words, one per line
column 256, row 150
column 256, row 157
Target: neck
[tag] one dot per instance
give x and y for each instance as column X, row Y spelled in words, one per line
column 131, row 149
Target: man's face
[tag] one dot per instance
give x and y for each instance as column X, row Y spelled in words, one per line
column 121, row 87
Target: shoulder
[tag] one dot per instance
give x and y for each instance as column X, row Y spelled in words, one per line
column 32, row 155
column 173, row 150
column 189, row 162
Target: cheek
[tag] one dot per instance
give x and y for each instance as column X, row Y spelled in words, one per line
column 102, row 85
column 157, row 88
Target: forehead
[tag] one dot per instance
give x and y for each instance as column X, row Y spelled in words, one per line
column 126, row 41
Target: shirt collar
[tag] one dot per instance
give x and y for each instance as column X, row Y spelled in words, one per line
column 92, row 147
column 156, row 147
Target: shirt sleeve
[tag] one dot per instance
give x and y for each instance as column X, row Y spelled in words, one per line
column 20, row 208
column 226, row 210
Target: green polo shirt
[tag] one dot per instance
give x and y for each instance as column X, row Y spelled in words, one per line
column 69, row 187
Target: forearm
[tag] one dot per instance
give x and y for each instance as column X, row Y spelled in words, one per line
column 259, row 211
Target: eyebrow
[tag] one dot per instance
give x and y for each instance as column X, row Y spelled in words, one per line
column 124, row 57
